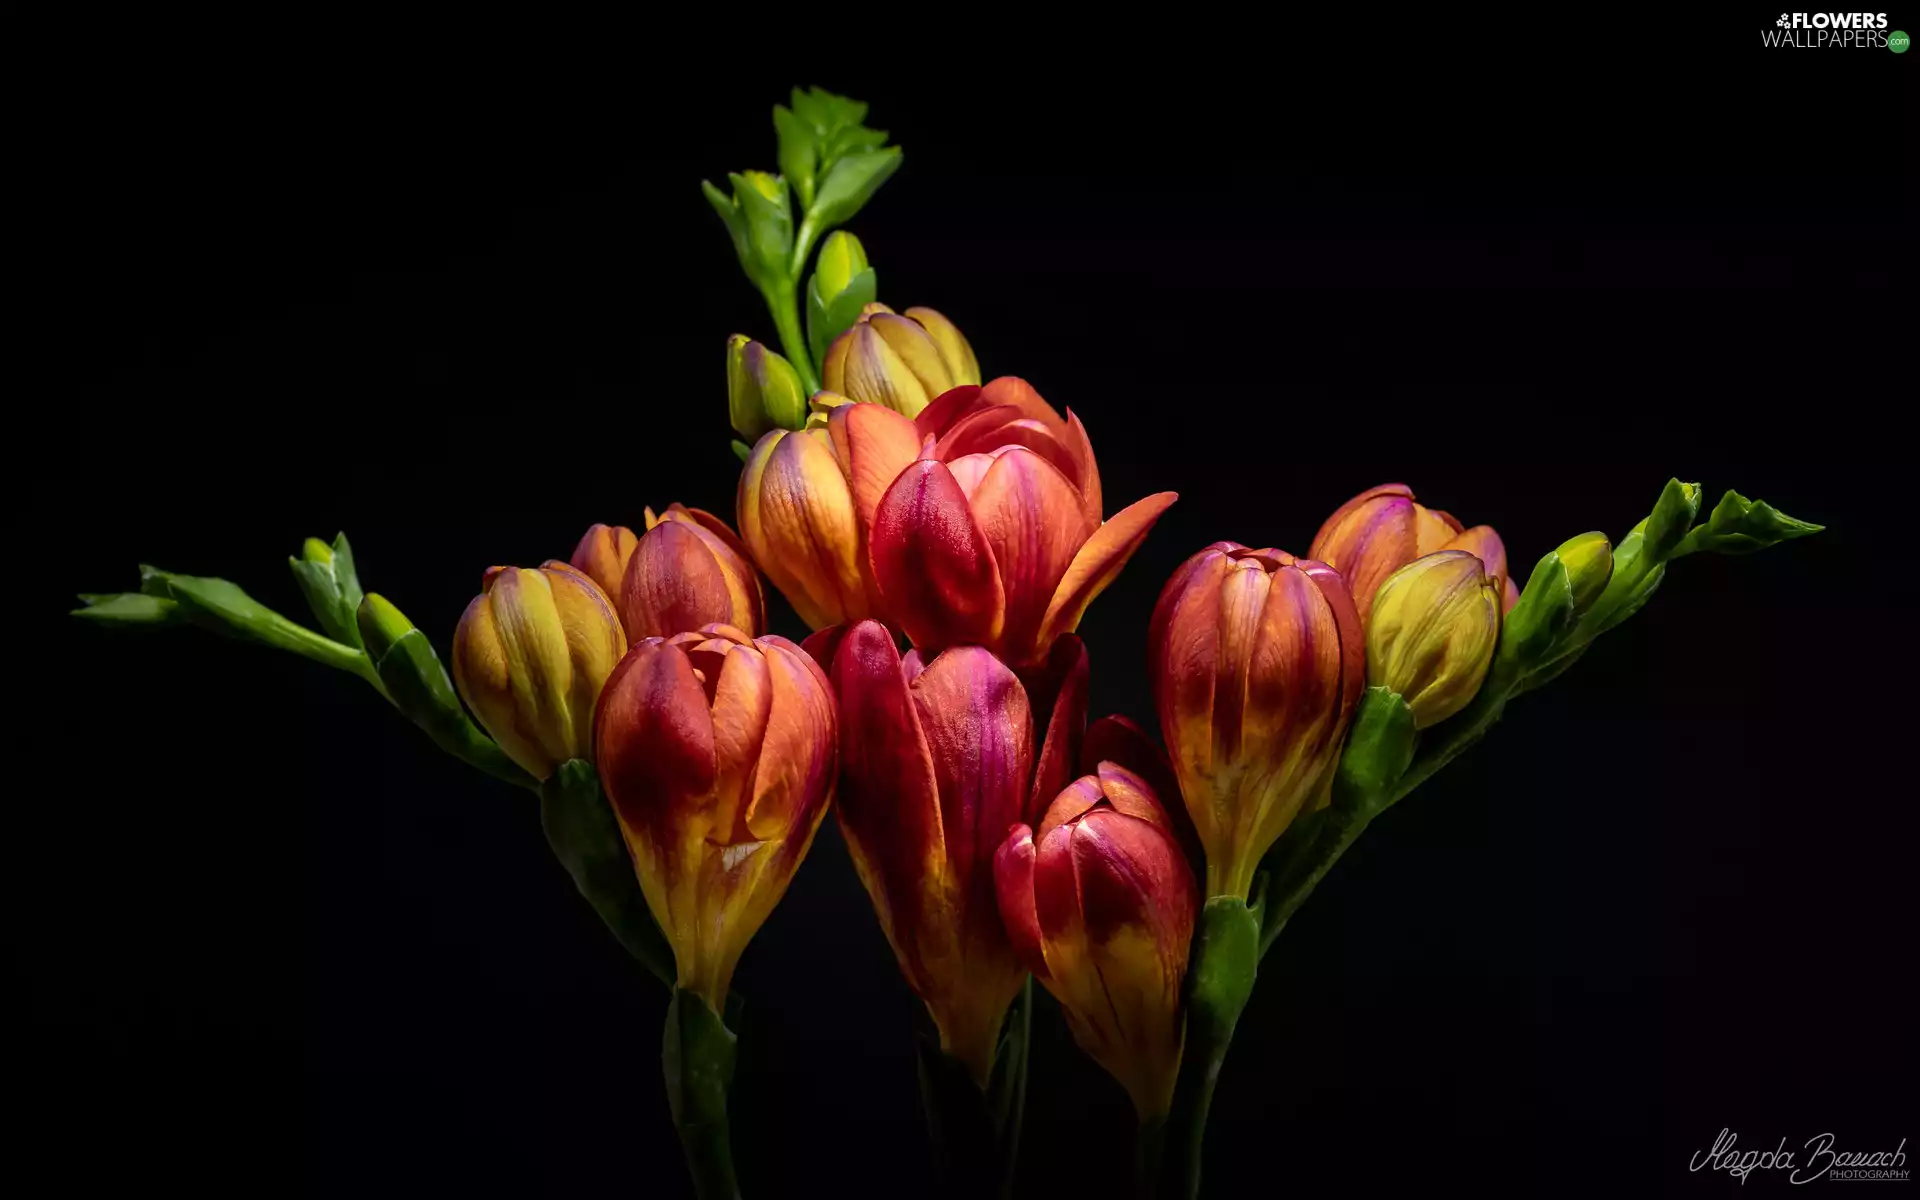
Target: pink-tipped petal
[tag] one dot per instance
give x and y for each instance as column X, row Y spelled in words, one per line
column 933, row 566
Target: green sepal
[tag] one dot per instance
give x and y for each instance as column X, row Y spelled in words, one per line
column 844, row 190
column 1538, row 621
column 697, row 1055
column 768, row 219
column 741, row 450
column 1377, row 753
column 585, row 836
column 827, row 319
column 130, row 608
column 418, row 685
column 1671, row 518
column 332, row 587
column 1738, row 525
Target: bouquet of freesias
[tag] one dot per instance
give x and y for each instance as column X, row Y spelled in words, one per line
column 942, row 534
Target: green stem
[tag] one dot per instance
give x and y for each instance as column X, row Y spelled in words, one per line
column 697, row 1055
column 1149, row 1152
column 1226, row 955
column 975, row 1134
column 783, row 302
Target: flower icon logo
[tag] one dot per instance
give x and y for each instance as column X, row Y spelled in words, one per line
column 1783, row 22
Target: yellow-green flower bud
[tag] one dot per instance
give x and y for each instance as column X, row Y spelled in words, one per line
column 1432, row 633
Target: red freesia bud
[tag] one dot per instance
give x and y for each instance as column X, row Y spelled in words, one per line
column 717, row 753
column 938, row 759
column 1257, row 662
column 1100, row 905
column 994, row 537
column 689, row 571
column 1383, row 529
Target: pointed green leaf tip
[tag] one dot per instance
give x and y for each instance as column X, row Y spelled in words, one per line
column 1738, row 525
column 129, row 608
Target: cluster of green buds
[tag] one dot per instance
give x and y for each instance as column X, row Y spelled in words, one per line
column 830, row 166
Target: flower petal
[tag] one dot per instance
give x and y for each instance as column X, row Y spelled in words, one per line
column 1059, row 692
column 935, row 571
column 889, row 799
column 874, row 444
column 1033, row 524
column 979, row 735
column 1013, row 887
column 1099, row 561
column 675, row 583
column 798, row 517
column 795, row 772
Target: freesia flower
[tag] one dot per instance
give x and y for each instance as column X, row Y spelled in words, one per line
column 1257, row 663
column 993, row 536
column 1100, row 905
column 939, row 758
column 717, row 752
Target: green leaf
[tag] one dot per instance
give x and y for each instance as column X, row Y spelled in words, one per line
column 226, row 607
column 736, row 223
column 798, row 152
column 848, row 185
column 1738, row 525
column 130, row 608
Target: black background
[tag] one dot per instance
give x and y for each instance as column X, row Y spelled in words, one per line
column 271, row 940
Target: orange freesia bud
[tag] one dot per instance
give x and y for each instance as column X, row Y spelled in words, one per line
column 602, row 555
column 901, row 362
column 689, row 571
column 806, row 500
column 1257, row 662
column 939, row 759
column 717, row 752
column 529, row 657
column 1100, row 905
column 1383, row 529
column 994, row 536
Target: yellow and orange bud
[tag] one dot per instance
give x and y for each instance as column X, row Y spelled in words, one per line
column 902, row 362
column 806, row 500
column 1257, row 663
column 717, row 753
column 603, row 554
column 529, row 657
column 1435, row 625
column 689, row 571
column 1383, row 529
column 1100, row 905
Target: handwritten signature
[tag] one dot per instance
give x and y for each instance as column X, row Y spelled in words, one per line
column 1822, row 1162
